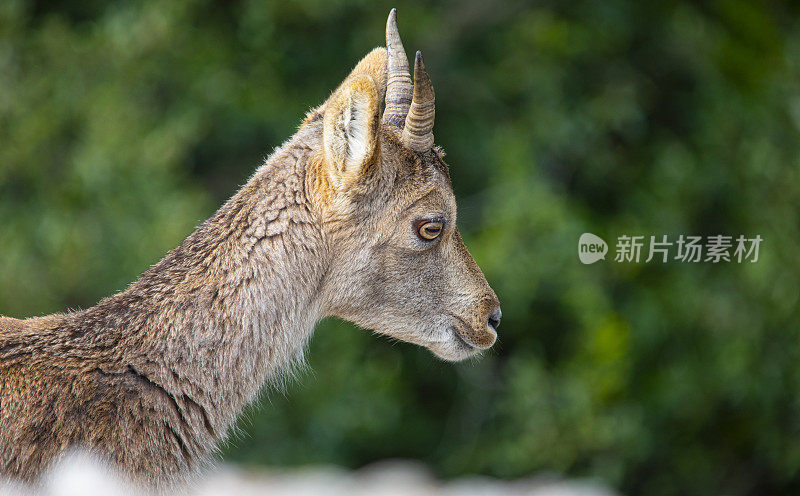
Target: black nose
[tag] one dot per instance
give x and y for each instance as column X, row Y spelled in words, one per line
column 494, row 318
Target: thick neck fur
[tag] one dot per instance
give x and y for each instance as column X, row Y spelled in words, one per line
column 188, row 345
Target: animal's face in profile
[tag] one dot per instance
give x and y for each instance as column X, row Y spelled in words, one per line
column 400, row 266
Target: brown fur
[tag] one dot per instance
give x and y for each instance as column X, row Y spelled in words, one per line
column 153, row 378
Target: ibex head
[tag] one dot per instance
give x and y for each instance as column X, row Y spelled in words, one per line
column 389, row 215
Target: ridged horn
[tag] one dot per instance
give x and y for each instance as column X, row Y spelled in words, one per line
column 418, row 129
column 398, row 84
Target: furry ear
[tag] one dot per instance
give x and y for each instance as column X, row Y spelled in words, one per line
column 374, row 65
column 350, row 130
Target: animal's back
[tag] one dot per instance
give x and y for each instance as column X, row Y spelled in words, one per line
column 9, row 328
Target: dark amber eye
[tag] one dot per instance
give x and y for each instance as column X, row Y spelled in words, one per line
column 430, row 230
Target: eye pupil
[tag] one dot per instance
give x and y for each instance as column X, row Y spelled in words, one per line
column 430, row 230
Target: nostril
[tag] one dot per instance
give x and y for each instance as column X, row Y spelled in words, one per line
column 494, row 318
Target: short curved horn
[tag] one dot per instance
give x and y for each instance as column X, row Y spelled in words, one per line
column 398, row 86
column 418, row 130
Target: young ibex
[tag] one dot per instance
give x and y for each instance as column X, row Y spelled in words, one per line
column 353, row 217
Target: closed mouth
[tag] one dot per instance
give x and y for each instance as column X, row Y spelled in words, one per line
column 459, row 336
column 463, row 341
column 462, row 325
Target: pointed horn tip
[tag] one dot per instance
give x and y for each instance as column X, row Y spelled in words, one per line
column 422, row 82
column 392, row 32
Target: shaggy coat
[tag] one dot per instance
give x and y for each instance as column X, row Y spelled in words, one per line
column 347, row 219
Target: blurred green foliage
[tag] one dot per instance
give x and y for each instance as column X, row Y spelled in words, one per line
column 124, row 124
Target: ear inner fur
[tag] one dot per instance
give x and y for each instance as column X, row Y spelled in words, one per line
column 350, row 130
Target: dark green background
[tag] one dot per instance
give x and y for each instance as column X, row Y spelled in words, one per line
column 125, row 124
